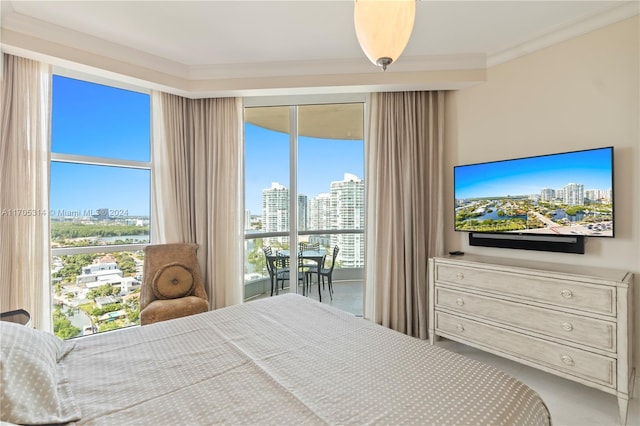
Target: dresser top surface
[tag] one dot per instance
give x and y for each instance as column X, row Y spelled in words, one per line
column 614, row 275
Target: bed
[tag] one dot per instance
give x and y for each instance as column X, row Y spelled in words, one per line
column 276, row 361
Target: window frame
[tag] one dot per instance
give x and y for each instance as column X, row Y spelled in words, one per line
column 56, row 157
column 104, row 161
column 293, row 102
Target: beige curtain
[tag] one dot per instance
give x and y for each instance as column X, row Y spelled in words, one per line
column 404, row 223
column 197, row 186
column 24, row 189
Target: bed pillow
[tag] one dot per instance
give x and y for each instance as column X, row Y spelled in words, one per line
column 33, row 388
column 172, row 281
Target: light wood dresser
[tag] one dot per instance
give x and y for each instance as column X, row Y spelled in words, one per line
column 572, row 321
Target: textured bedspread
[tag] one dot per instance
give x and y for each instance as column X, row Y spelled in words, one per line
column 286, row 360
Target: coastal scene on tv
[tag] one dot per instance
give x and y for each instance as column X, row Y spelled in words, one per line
column 563, row 194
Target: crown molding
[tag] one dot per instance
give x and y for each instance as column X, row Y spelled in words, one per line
column 359, row 65
column 338, row 83
column 76, row 51
column 16, row 23
column 77, row 60
column 73, row 59
column 17, row 26
column 581, row 27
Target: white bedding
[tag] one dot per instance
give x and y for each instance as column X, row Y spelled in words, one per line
column 286, row 360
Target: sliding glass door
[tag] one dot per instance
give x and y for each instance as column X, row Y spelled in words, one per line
column 304, row 183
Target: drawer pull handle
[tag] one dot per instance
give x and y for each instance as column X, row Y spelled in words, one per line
column 567, row 294
column 460, row 275
column 567, row 326
column 459, row 302
column 460, row 327
column 566, row 359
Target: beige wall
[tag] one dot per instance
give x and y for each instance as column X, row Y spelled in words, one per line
column 579, row 94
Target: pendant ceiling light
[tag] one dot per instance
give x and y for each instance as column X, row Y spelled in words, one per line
column 383, row 28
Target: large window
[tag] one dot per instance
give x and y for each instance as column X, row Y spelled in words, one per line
column 99, row 204
column 304, row 182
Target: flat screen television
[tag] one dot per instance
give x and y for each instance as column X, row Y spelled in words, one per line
column 562, row 194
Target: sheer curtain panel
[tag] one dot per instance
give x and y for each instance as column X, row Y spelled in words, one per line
column 24, row 189
column 404, row 223
column 197, row 192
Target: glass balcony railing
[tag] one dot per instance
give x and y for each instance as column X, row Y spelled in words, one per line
column 349, row 262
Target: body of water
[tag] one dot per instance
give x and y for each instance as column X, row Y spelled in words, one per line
column 561, row 214
column 494, row 215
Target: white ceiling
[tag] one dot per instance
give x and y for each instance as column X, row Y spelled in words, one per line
column 209, row 40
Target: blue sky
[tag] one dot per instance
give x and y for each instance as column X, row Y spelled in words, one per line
column 591, row 168
column 100, row 121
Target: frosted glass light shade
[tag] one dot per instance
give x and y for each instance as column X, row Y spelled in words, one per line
column 383, row 28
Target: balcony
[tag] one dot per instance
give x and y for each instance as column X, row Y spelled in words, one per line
column 347, row 291
column 348, row 272
column 347, row 278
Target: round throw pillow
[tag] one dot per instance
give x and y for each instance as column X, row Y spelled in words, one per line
column 172, row 281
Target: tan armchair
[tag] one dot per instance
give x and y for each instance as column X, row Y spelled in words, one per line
column 171, row 286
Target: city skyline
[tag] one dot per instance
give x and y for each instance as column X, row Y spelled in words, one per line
column 341, row 207
column 278, row 185
column 543, row 191
column 320, row 162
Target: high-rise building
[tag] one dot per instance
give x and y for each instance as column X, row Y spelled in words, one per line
column 341, row 208
column 547, row 194
column 347, row 212
column 319, row 214
column 275, row 210
column 598, row 195
column 320, row 211
column 573, row 194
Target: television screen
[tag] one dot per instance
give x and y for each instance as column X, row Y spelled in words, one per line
column 567, row 193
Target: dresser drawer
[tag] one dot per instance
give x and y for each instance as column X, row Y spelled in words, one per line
column 575, row 362
column 565, row 293
column 578, row 329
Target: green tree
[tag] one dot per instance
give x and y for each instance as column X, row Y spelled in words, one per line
column 103, row 290
column 573, row 210
column 62, row 326
column 73, row 265
column 256, row 256
column 110, row 325
column 132, row 308
column 126, row 263
column 112, row 307
column 61, row 231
